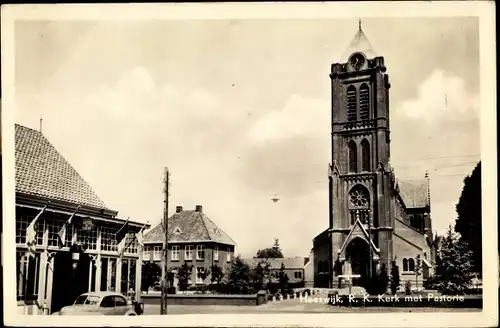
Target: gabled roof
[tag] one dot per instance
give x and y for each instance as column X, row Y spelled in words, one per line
column 414, row 193
column 357, row 231
column 193, row 225
column 289, row 262
column 361, row 44
column 42, row 171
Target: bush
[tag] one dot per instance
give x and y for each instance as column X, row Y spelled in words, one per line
column 408, row 287
column 171, row 290
column 394, row 278
column 378, row 283
column 202, row 289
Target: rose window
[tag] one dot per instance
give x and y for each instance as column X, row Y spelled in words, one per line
column 359, row 197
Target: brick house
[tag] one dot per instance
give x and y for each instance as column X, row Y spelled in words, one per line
column 49, row 191
column 294, row 267
column 193, row 239
column 374, row 218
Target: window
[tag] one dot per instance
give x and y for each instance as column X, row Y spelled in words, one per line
column 87, row 237
column 216, row 253
column 120, row 301
column 200, row 252
column 200, row 272
column 405, row 265
column 365, row 155
column 146, row 256
column 108, row 239
column 351, row 103
column 108, row 302
column 364, row 102
column 188, row 252
column 21, row 225
column 27, row 276
column 40, row 229
column 131, row 243
column 177, row 231
column 228, row 254
column 128, row 276
column 359, row 204
column 353, row 158
column 53, row 227
column 411, row 265
column 175, row 253
column 298, row 274
column 157, row 253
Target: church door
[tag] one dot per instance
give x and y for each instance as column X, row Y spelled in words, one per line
column 357, row 254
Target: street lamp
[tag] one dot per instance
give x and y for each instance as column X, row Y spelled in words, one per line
column 75, row 250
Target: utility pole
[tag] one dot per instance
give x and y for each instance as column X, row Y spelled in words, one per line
column 164, row 268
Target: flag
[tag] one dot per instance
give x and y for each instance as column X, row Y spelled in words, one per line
column 62, row 232
column 140, row 236
column 122, row 232
column 31, row 232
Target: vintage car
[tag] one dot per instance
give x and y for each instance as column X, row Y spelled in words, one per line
column 102, row 303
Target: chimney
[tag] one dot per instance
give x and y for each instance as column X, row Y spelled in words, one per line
column 199, row 208
column 178, row 209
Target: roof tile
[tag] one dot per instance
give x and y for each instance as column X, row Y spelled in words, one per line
column 42, row 171
column 193, row 226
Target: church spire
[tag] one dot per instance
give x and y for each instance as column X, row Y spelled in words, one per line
column 359, row 43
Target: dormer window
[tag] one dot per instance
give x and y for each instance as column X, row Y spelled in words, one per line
column 217, row 232
column 177, row 231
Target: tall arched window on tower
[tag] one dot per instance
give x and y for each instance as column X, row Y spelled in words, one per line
column 365, row 155
column 351, row 103
column 364, row 102
column 359, row 204
column 353, row 158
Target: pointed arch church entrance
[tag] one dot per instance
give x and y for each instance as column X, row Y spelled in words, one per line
column 358, row 260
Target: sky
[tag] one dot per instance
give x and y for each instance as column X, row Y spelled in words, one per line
column 239, row 110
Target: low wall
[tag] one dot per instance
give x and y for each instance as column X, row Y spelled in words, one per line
column 207, row 299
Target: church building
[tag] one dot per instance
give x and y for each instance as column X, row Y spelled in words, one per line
column 375, row 220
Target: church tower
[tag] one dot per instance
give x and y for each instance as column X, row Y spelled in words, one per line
column 361, row 218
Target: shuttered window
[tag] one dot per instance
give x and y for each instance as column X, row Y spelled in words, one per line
column 351, row 104
column 364, row 102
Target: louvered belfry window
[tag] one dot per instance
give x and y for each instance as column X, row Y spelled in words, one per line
column 364, row 102
column 351, row 103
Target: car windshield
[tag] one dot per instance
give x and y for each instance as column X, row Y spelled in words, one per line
column 87, row 300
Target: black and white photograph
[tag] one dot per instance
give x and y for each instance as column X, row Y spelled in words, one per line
column 250, row 164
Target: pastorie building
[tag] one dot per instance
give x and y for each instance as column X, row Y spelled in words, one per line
column 67, row 240
column 193, row 239
column 375, row 219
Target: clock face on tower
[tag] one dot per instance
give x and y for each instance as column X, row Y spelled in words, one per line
column 357, row 60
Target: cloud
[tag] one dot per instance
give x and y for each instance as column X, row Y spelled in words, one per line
column 289, row 149
column 441, row 95
column 299, row 117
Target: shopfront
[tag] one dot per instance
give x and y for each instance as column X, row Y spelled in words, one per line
column 92, row 257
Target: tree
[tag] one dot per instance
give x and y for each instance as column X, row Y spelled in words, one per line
column 394, row 278
column 260, row 274
column 453, row 270
column 151, row 274
column 238, row 280
column 377, row 284
column 272, row 252
column 217, row 274
column 183, row 275
column 468, row 222
column 283, row 278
